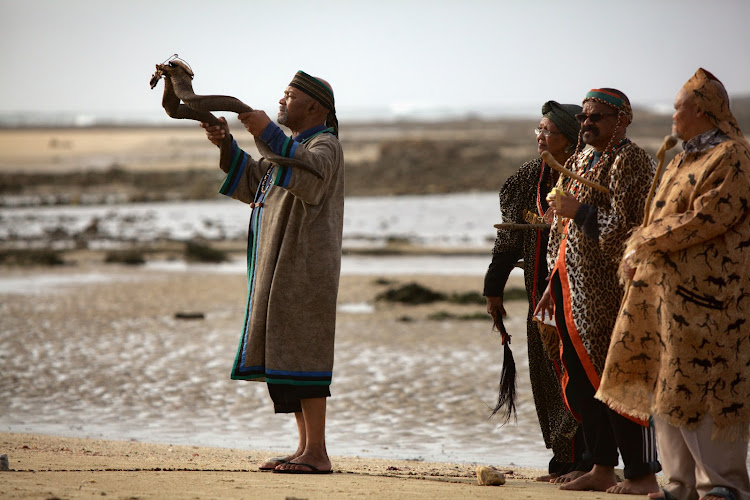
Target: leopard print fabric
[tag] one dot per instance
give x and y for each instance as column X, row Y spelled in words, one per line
column 589, row 266
column 519, row 194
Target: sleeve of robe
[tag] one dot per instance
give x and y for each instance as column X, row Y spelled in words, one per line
column 244, row 173
column 508, row 247
column 719, row 197
column 320, row 153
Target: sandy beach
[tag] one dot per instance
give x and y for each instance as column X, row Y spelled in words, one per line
column 107, row 391
column 55, row 467
column 98, row 372
column 96, row 350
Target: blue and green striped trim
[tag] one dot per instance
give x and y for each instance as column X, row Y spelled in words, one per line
column 282, row 377
column 278, row 141
column 252, row 255
column 288, row 147
column 236, row 169
column 282, row 176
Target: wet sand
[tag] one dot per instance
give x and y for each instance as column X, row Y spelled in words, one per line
column 105, row 392
column 98, row 372
column 56, row 467
column 95, row 350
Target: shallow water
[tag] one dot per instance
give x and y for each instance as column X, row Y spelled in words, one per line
column 96, row 355
column 100, row 354
column 353, row 265
column 447, row 220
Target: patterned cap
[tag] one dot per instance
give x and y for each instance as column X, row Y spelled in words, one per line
column 613, row 98
column 321, row 93
column 713, row 102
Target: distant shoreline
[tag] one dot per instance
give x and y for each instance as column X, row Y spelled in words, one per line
column 173, row 160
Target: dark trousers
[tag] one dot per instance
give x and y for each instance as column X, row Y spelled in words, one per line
column 286, row 398
column 579, row 460
column 604, row 430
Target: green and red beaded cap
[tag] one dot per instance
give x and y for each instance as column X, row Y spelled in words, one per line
column 613, row 98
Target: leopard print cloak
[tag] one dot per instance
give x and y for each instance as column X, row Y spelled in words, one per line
column 587, row 266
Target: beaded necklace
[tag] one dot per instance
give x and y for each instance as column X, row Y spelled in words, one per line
column 265, row 184
column 589, row 165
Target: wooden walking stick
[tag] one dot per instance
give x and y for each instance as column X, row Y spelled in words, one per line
column 668, row 143
column 555, row 165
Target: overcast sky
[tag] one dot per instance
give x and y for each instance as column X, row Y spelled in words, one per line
column 97, row 56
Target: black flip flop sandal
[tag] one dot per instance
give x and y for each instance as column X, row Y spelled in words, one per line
column 312, row 469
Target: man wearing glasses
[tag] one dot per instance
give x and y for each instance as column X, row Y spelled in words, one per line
column 584, row 294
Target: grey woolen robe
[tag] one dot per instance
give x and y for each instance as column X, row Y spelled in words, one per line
column 293, row 257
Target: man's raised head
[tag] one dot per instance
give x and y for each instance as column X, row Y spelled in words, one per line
column 322, row 92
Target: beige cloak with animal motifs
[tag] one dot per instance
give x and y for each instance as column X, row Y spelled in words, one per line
column 681, row 344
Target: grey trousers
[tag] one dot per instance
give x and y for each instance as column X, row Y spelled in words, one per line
column 694, row 463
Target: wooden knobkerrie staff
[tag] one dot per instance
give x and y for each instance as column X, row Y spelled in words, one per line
column 555, row 165
column 668, row 143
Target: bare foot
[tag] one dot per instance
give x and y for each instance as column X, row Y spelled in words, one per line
column 657, row 495
column 637, row 486
column 566, row 478
column 272, row 463
column 600, row 478
column 320, row 462
column 547, row 478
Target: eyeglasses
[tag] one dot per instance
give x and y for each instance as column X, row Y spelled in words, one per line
column 594, row 117
column 544, row 132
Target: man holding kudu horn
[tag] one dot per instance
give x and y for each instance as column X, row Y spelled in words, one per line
column 583, row 295
column 294, row 258
column 679, row 349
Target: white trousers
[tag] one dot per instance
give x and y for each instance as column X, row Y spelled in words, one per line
column 694, row 463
